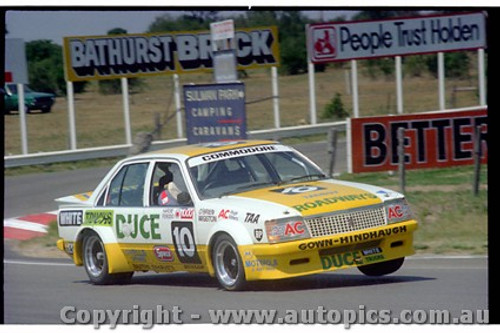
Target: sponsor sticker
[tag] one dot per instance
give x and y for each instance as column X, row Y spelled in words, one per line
column 98, row 218
column 136, row 255
column 244, row 151
column 252, row 218
column 258, row 234
column 70, row 218
column 228, row 214
column 298, row 189
column 163, row 253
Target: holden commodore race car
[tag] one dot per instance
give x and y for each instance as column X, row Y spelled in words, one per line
column 239, row 211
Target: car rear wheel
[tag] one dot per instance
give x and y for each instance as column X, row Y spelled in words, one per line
column 382, row 268
column 228, row 265
column 96, row 263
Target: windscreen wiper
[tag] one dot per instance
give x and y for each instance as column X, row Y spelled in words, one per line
column 308, row 177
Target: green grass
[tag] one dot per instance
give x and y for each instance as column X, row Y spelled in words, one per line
column 451, row 219
column 423, row 177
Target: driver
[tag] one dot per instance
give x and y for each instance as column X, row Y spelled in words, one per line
column 169, row 190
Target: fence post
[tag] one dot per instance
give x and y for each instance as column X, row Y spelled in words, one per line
column 477, row 160
column 332, row 149
column 401, row 159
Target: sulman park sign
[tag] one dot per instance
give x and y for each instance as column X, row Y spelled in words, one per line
column 133, row 55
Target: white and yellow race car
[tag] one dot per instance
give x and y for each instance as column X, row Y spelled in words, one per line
column 240, row 211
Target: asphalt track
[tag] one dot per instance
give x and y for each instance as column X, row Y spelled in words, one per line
column 36, row 290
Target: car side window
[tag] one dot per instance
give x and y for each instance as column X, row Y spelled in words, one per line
column 167, row 183
column 127, row 187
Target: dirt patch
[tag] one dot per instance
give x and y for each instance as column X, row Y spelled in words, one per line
column 34, row 249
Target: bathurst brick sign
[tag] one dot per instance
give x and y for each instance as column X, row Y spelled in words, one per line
column 132, row 55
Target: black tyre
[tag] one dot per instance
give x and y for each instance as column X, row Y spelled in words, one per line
column 227, row 264
column 382, row 268
column 96, row 263
column 46, row 109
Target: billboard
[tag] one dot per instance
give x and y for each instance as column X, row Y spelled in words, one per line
column 215, row 112
column 16, row 66
column 434, row 139
column 329, row 42
column 134, row 55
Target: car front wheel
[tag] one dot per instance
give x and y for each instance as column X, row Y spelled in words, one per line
column 228, row 265
column 382, row 268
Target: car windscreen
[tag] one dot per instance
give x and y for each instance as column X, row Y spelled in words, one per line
column 13, row 88
column 244, row 173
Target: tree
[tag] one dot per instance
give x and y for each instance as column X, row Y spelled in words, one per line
column 45, row 68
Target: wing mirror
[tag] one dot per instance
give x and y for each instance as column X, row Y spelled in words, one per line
column 184, row 199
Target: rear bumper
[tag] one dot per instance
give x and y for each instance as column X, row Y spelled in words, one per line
column 317, row 255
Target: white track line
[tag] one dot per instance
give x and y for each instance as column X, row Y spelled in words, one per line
column 26, row 262
column 25, row 225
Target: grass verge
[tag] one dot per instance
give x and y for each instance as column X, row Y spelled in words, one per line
column 451, row 219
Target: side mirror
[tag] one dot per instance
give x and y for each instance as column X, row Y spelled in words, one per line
column 184, row 199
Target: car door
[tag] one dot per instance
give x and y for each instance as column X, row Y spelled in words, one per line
column 124, row 197
column 178, row 244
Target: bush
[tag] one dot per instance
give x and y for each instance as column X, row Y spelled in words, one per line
column 456, row 65
column 335, row 109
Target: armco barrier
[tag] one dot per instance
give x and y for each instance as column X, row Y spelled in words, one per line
column 123, row 150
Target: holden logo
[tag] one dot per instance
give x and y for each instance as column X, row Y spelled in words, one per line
column 163, row 253
column 258, row 233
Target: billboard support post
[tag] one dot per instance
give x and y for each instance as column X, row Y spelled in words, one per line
column 354, row 81
column 22, row 118
column 126, row 110
column 71, row 115
column 177, row 94
column 442, row 99
column 399, row 85
column 482, row 86
column 276, row 101
column 312, row 93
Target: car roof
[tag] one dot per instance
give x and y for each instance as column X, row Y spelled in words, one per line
column 203, row 148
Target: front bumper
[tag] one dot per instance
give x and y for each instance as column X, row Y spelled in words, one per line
column 317, row 255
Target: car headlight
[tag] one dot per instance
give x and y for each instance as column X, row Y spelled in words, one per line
column 397, row 211
column 285, row 230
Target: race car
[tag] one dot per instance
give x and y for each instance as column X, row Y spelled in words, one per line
column 239, row 211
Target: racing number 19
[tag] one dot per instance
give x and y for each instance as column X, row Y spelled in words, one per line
column 185, row 246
